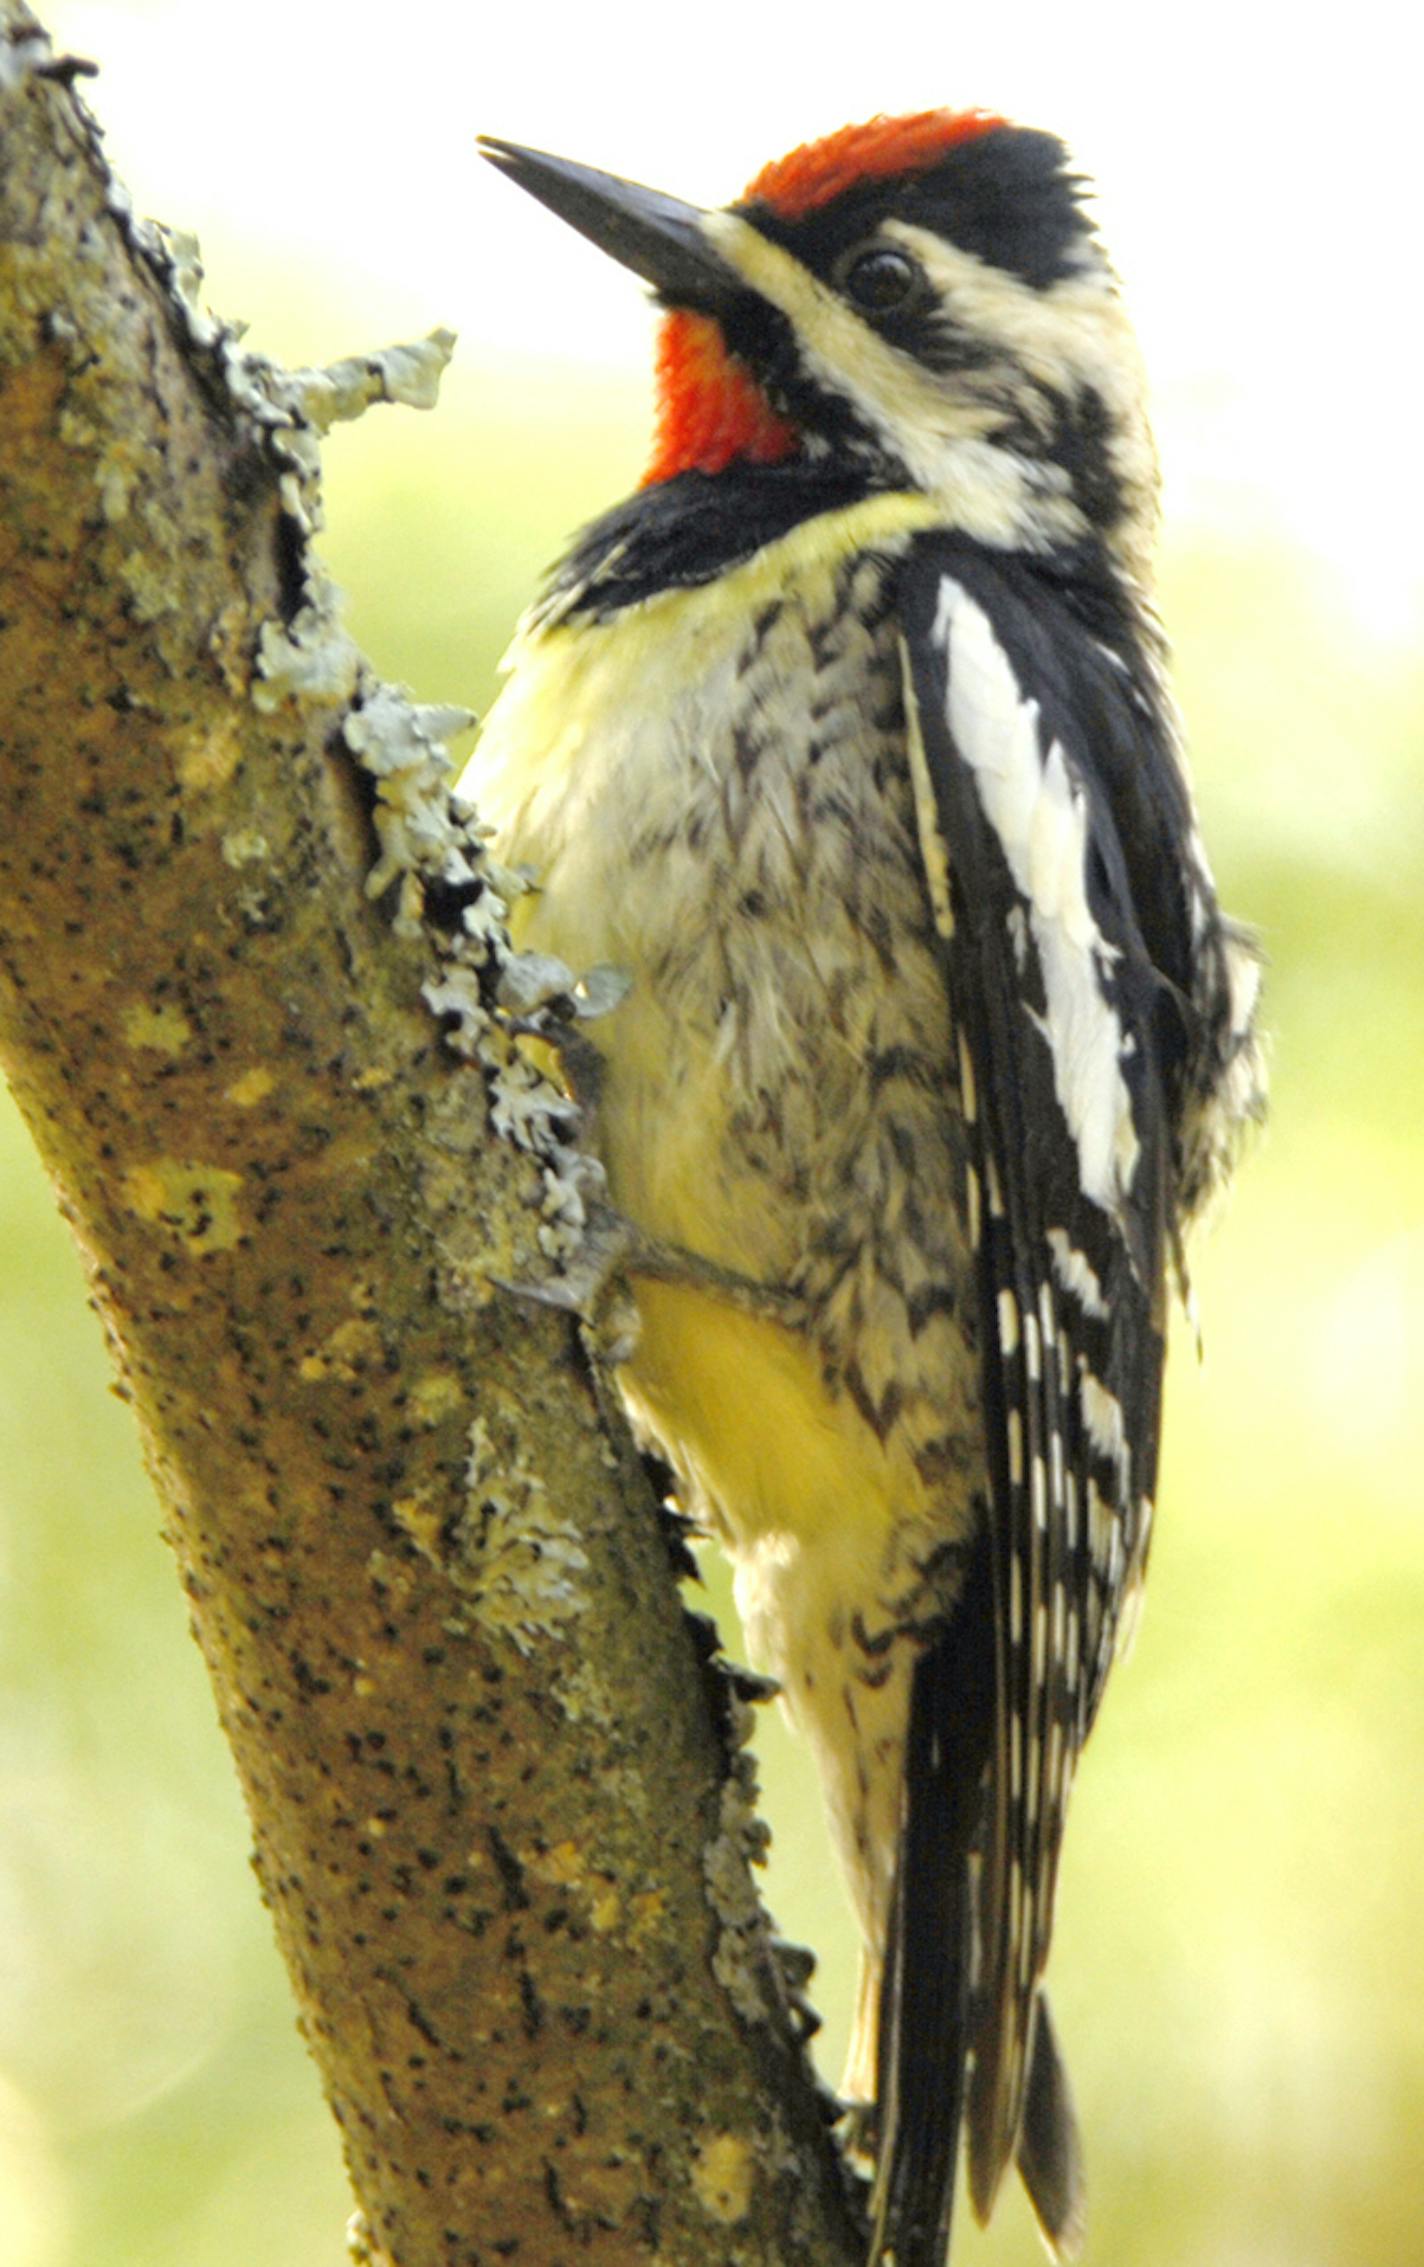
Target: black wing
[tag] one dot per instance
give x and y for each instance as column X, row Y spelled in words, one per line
column 1056, row 830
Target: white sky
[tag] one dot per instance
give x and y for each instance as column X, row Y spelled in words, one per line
column 1259, row 190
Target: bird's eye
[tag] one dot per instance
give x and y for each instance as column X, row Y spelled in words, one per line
column 881, row 278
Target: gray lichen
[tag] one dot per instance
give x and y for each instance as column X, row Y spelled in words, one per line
column 515, row 1562
column 400, row 745
column 518, row 1560
column 409, row 374
column 740, row 1842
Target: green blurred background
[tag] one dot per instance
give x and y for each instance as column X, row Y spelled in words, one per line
column 1239, row 1966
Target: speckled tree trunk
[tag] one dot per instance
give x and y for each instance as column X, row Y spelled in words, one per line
column 498, row 1816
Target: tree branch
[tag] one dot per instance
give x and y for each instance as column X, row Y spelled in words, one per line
column 500, row 1817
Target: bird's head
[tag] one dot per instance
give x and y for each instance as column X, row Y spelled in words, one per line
column 922, row 298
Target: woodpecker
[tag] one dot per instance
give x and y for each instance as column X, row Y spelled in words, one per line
column 848, row 737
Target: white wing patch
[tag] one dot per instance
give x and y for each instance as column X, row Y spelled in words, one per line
column 1039, row 815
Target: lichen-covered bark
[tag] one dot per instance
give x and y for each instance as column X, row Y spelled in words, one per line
column 498, row 1816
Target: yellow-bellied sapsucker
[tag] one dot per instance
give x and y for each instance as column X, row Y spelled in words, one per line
column 846, row 736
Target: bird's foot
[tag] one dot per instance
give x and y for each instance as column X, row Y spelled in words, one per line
column 662, row 1262
column 613, row 1253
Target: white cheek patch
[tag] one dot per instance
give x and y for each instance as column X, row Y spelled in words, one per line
column 1039, row 815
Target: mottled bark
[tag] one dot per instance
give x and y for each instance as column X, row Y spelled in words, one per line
column 498, row 1814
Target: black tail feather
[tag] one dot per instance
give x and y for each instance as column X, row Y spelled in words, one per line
column 1050, row 2155
column 925, row 2011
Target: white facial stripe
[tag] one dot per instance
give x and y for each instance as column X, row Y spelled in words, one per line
column 1061, row 334
column 1040, row 817
column 942, row 433
column 1071, row 334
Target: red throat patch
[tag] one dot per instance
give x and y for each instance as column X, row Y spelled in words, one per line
column 710, row 410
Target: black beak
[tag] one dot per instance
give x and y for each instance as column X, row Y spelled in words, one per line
column 658, row 238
